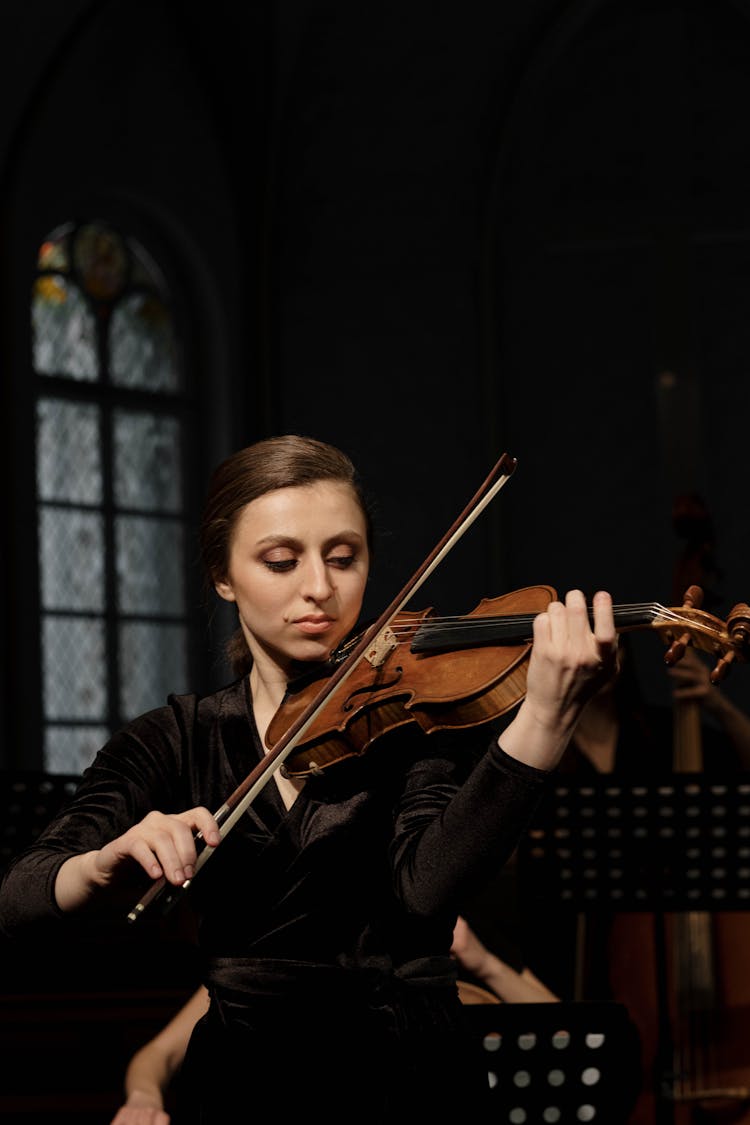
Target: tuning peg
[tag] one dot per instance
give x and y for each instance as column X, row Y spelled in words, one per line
column 721, row 671
column 676, row 650
column 692, row 598
column 738, row 626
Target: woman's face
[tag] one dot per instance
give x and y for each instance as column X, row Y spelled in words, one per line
column 298, row 566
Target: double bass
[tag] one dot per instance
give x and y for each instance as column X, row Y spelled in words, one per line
column 688, row 990
column 708, row 971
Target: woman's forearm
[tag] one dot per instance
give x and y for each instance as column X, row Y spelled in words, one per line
column 76, row 881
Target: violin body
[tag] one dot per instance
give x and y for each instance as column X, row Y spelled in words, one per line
column 393, row 686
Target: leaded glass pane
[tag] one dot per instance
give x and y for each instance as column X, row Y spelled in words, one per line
column 63, row 330
column 101, row 260
column 149, row 561
column 153, row 663
column 71, row 548
column 142, row 344
column 54, row 253
column 68, row 462
column 73, row 668
column 71, row 749
column 147, row 471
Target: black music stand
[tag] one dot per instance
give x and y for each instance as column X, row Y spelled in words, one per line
column 677, row 844
column 556, row 1062
column 680, row 843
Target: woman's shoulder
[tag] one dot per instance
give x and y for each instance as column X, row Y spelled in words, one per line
column 169, row 732
column 226, row 702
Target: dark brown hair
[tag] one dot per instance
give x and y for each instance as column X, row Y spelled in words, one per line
column 287, row 461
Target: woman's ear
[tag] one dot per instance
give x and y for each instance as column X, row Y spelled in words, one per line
column 224, row 590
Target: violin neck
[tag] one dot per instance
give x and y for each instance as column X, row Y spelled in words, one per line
column 513, row 629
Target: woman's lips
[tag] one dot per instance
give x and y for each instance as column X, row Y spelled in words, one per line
column 314, row 626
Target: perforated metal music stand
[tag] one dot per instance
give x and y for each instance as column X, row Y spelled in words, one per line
column 557, row 1062
column 682, row 843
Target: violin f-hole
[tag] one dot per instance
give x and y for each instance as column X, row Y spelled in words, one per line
column 368, row 689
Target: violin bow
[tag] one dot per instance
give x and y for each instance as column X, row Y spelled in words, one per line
column 248, row 789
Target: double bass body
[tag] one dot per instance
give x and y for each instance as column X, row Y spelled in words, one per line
column 688, row 987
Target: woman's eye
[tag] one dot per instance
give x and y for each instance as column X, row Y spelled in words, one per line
column 280, row 565
column 341, row 561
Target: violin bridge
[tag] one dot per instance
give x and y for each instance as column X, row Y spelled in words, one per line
column 381, row 648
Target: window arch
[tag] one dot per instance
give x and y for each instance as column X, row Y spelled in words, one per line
column 110, row 487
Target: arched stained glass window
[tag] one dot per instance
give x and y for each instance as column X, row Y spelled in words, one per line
column 110, row 488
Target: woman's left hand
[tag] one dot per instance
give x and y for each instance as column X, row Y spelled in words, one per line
column 570, row 661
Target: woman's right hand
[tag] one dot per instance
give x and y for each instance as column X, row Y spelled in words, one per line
column 161, row 844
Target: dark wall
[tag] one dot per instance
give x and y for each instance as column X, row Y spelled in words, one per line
column 622, row 265
column 521, row 228
column 429, row 234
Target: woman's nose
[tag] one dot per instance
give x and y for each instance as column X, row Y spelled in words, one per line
column 317, row 582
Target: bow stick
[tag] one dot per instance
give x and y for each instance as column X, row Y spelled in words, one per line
column 246, row 792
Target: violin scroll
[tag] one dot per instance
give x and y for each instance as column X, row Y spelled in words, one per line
column 738, row 627
column 730, row 642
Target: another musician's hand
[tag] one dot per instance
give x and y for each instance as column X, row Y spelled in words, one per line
column 140, row 1109
column 690, row 678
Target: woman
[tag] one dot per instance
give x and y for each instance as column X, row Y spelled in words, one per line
column 326, row 915
column 151, row 1070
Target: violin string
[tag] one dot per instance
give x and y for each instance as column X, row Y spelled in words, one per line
column 625, row 613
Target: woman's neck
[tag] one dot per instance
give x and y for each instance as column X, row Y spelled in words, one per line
column 267, row 691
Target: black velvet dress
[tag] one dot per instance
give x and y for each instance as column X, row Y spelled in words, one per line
column 324, row 930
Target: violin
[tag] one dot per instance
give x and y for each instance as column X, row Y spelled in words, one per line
column 454, row 672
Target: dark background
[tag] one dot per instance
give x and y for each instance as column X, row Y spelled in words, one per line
column 429, row 232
